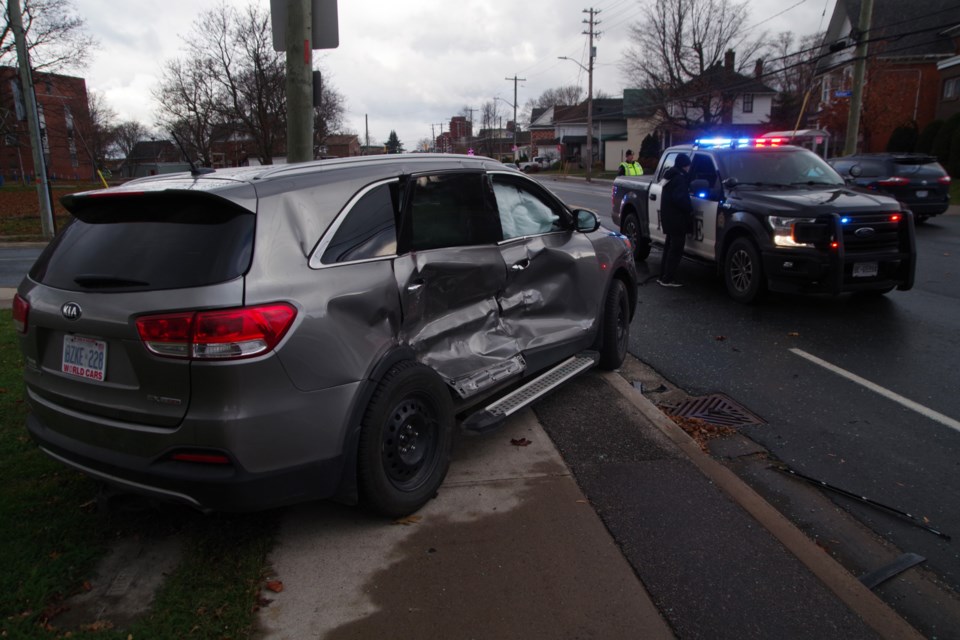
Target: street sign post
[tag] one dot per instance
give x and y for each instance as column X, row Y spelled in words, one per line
column 324, row 24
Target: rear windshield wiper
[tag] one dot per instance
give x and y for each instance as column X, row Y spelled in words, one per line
column 106, row 282
column 817, row 182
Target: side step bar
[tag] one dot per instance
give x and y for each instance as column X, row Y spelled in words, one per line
column 494, row 415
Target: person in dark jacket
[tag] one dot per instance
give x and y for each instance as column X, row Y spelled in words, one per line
column 676, row 218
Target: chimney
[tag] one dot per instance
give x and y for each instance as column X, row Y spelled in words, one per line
column 758, row 68
column 728, row 60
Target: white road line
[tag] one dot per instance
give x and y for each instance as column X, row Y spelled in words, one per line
column 909, row 404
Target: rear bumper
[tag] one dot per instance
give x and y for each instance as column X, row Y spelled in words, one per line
column 271, row 453
column 213, row 487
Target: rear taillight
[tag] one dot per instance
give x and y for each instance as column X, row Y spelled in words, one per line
column 21, row 309
column 225, row 334
column 944, row 180
column 893, row 181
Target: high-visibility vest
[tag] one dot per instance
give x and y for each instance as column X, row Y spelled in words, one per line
column 632, row 168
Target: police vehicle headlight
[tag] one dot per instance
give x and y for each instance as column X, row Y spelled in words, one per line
column 783, row 230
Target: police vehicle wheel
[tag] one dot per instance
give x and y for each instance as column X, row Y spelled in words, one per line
column 630, row 227
column 405, row 440
column 743, row 272
column 615, row 332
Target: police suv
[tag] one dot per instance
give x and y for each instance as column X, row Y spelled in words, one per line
column 775, row 217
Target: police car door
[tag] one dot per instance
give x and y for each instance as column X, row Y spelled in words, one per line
column 655, row 195
column 703, row 240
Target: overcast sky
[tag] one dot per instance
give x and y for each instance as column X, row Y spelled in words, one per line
column 411, row 64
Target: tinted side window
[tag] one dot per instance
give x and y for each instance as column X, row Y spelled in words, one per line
column 149, row 243
column 702, row 168
column 369, row 228
column 873, row 169
column 450, row 210
column 522, row 213
column 668, row 161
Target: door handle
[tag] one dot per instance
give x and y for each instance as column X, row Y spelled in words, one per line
column 414, row 287
column 653, row 196
column 520, row 266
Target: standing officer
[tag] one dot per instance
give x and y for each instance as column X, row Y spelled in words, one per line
column 629, row 167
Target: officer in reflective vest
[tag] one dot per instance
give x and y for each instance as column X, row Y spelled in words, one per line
column 629, row 167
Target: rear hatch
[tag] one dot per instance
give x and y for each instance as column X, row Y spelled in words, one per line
column 919, row 179
column 123, row 256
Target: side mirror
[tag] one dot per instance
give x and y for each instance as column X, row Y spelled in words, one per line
column 587, row 221
column 730, row 183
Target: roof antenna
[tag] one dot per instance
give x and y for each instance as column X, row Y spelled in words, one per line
column 195, row 171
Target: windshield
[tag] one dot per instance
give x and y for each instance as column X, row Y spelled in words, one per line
column 780, row 167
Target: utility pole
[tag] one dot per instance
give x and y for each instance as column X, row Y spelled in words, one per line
column 591, row 22
column 516, row 125
column 299, row 40
column 366, row 127
column 859, row 69
column 33, row 118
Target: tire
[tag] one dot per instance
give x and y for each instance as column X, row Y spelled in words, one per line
column 630, row 227
column 922, row 219
column 615, row 329
column 405, row 441
column 743, row 272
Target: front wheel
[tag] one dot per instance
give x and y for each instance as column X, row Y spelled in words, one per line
column 405, row 440
column 743, row 272
column 630, row 227
column 615, row 332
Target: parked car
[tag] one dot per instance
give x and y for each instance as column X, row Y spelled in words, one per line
column 917, row 180
column 254, row 337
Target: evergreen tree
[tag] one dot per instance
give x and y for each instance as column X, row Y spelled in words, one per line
column 393, row 144
column 928, row 136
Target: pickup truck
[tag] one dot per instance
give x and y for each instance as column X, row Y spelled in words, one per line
column 537, row 164
column 775, row 218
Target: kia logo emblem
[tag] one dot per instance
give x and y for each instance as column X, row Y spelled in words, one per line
column 865, row 232
column 71, row 311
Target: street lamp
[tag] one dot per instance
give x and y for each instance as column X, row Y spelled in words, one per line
column 589, row 111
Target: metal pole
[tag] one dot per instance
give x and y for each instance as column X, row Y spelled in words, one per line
column 33, row 118
column 592, row 13
column 299, row 81
column 859, row 68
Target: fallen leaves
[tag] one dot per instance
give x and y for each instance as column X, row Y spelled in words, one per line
column 275, row 585
column 409, row 520
column 520, row 442
column 701, row 430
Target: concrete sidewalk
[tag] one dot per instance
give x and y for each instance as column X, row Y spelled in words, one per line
column 513, row 546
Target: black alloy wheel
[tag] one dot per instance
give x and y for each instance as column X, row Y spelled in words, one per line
column 743, row 271
column 615, row 332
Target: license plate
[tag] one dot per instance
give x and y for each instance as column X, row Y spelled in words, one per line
column 865, row 269
column 922, row 194
column 84, row 357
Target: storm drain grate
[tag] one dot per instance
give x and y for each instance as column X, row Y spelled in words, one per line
column 716, row 409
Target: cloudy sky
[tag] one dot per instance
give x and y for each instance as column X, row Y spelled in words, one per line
column 411, row 64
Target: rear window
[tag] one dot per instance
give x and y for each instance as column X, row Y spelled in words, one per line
column 924, row 167
column 148, row 243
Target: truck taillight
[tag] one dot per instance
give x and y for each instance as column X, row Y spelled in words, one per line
column 21, row 309
column 226, row 334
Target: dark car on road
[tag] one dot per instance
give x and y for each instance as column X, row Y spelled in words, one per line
column 248, row 338
column 917, row 180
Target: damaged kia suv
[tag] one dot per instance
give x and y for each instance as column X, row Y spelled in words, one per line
column 249, row 338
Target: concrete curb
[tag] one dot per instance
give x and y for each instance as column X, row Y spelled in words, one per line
column 874, row 611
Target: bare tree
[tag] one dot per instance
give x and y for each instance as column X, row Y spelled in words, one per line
column 791, row 70
column 126, row 136
column 328, row 115
column 675, row 47
column 55, row 35
column 231, row 83
column 96, row 132
column 190, row 108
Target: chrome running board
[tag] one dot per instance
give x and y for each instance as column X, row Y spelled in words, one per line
column 494, row 414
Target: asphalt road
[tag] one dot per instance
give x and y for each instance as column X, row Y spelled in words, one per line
column 856, row 392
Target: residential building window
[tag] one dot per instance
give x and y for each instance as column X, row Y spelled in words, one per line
column 748, row 103
column 951, row 89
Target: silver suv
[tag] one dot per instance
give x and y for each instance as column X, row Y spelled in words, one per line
column 255, row 337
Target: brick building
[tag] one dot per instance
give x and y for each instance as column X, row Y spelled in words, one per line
column 64, row 117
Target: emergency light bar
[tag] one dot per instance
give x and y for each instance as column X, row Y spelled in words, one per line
column 734, row 143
